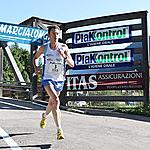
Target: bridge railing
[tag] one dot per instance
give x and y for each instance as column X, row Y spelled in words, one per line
column 16, row 89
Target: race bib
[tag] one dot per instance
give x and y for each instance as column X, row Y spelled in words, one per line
column 54, row 67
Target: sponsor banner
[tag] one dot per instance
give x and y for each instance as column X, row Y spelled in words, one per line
column 105, row 81
column 103, row 59
column 22, row 34
column 105, row 36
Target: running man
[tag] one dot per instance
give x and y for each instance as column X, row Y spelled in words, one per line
column 55, row 53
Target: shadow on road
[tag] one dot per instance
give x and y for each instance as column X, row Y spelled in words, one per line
column 14, row 104
column 16, row 134
column 28, row 105
column 110, row 113
column 41, row 146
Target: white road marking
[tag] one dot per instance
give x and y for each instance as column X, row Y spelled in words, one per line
column 15, row 105
column 5, row 107
column 11, row 143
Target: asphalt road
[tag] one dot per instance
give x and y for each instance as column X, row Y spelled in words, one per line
column 19, row 130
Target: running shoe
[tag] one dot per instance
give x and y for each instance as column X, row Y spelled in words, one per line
column 43, row 121
column 60, row 134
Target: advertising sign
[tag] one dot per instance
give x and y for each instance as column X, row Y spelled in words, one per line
column 22, row 34
column 105, row 81
column 105, row 36
column 103, row 59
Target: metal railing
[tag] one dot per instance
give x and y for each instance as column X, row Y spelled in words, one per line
column 16, row 89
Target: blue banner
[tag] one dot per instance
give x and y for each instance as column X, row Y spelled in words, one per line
column 103, row 36
column 22, row 34
column 103, row 59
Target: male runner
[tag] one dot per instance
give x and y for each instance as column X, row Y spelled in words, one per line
column 55, row 54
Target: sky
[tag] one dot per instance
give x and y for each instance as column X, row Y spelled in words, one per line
column 16, row 11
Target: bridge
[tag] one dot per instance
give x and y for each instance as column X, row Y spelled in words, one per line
column 97, row 130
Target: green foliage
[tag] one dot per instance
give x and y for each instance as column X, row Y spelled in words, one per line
column 144, row 111
column 22, row 58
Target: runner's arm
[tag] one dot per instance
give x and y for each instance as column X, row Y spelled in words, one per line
column 36, row 56
column 67, row 56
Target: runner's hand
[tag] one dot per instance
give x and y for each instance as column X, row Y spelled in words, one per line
column 63, row 53
column 37, row 70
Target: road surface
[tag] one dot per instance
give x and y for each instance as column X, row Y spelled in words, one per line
column 19, row 130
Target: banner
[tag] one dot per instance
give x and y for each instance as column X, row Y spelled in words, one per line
column 105, row 36
column 22, row 34
column 105, row 81
column 103, row 59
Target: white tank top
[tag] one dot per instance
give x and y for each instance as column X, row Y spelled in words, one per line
column 53, row 67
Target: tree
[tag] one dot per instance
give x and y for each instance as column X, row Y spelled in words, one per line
column 22, row 58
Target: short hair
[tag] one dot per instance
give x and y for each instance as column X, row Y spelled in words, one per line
column 52, row 27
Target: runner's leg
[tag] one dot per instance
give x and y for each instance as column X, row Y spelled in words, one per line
column 55, row 103
column 48, row 108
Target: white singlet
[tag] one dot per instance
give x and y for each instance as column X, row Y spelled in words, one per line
column 53, row 67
